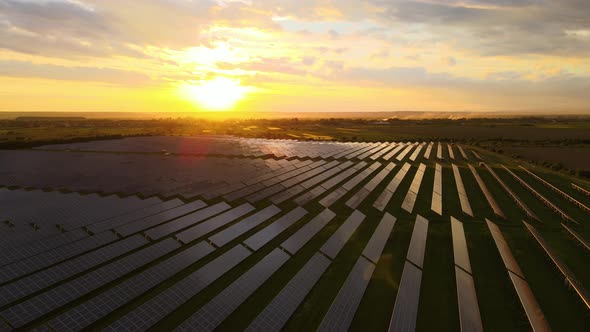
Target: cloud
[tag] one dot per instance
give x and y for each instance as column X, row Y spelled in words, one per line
column 11, row 68
column 502, row 27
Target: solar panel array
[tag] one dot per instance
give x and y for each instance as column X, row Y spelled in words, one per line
column 525, row 294
column 519, row 202
column 412, row 195
column 569, row 276
column 465, row 206
column 225, row 216
column 488, row 195
column 559, row 191
column 405, row 309
column 437, row 193
column 383, row 199
column 469, row 315
column 564, row 215
column 362, row 194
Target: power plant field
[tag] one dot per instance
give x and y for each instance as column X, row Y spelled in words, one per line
column 224, row 233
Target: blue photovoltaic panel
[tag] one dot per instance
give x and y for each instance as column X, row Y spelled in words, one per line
column 45, row 278
column 305, row 233
column 53, row 256
column 460, row 252
column 10, row 255
column 137, row 215
column 214, row 223
column 81, row 316
column 418, row 241
column 33, row 308
column 156, row 219
column 529, row 303
column 465, row 206
column 156, row 308
column 236, row 230
column 504, row 249
column 342, row 310
column 469, row 316
column 188, row 220
column 280, row 309
column 261, row 238
column 374, row 247
column 335, row 243
column 405, row 310
column 220, row 307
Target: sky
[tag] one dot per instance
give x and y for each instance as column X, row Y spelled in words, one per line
column 294, row 56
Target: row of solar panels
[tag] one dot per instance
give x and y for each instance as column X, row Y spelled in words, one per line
column 139, row 253
column 205, row 177
column 308, row 182
column 251, row 147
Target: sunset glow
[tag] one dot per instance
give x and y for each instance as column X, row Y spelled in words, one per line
column 218, row 94
column 416, row 55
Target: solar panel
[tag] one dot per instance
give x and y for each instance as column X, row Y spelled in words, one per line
column 342, row 310
column 334, row 196
column 380, row 153
column 159, row 306
column 451, row 153
column 520, row 204
column 374, row 182
column 394, row 151
column 465, row 206
column 577, row 237
column 236, row 230
column 33, row 308
column 439, row 151
column 10, row 255
column 35, row 282
column 356, row 199
column 47, row 258
column 375, row 246
column 309, row 195
column 476, row 155
column 222, row 305
column 416, row 152
column 140, row 225
column 487, row 193
column 84, row 314
column 543, row 199
column 350, row 184
column 405, row 152
column 282, row 307
column 410, row 199
column 469, row 316
column 383, row 199
column 436, row 205
column 265, row 235
column 563, row 269
column 333, row 246
column 137, row 215
column 460, row 252
column 305, row 233
column 462, row 152
column 191, row 219
column 529, row 303
column 418, row 241
column 405, row 309
column 214, row 223
column 428, row 151
column 504, row 249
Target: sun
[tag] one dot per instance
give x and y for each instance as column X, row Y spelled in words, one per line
column 218, row 94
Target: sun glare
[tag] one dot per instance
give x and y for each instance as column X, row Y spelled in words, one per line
column 218, row 94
